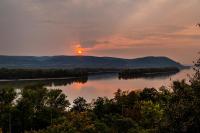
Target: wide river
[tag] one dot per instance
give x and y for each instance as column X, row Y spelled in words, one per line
column 103, row 85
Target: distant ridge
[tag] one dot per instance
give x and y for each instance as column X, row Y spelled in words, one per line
column 68, row 62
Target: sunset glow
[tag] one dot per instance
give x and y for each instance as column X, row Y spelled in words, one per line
column 145, row 28
column 79, row 51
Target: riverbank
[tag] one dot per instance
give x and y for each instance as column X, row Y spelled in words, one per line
column 66, row 74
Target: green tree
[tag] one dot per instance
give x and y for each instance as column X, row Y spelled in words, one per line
column 149, row 94
column 152, row 115
column 7, row 96
column 38, row 107
column 80, row 104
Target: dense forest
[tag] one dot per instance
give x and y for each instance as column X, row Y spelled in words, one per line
column 144, row 72
column 80, row 72
column 41, row 73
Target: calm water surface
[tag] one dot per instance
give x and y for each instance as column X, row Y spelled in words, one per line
column 107, row 84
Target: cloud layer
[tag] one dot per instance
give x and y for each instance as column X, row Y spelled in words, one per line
column 122, row 28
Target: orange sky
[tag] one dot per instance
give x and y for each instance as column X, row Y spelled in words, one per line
column 120, row 28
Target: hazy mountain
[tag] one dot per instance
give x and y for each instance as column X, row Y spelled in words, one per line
column 85, row 62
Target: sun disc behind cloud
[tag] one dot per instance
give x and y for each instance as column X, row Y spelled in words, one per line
column 79, row 51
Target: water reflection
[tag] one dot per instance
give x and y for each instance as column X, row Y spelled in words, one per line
column 47, row 82
column 106, row 85
column 105, row 76
column 103, row 84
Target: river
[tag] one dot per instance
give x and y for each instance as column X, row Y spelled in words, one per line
column 104, row 85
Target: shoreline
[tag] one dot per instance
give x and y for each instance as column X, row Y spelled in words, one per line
column 69, row 78
column 62, row 78
column 37, row 79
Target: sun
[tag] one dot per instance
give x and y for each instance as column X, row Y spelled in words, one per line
column 79, row 51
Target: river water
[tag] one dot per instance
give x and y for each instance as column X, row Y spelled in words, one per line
column 104, row 85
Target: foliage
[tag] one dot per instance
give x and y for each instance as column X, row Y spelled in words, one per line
column 41, row 73
column 35, row 108
column 147, row 72
column 80, row 104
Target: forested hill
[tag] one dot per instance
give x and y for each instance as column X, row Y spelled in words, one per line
column 85, row 62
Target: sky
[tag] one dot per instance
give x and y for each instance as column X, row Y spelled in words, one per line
column 118, row 28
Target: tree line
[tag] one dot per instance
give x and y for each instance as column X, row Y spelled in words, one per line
column 41, row 73
column 80, row 72
column 147, row 72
